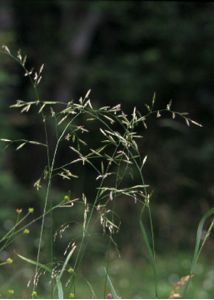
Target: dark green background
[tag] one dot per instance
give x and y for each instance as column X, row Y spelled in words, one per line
column 124, row 51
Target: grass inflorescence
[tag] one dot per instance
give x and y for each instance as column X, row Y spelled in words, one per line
column 117, row 161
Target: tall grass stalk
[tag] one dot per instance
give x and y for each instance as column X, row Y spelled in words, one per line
column 119, row 155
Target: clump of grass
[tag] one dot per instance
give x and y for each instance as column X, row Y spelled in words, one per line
column 117, row 157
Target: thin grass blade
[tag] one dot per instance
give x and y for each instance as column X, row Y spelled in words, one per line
column 114, row 293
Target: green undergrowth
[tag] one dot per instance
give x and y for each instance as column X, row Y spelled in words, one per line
column 131, row 279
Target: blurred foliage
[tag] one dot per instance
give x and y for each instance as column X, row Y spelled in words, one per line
column 131, row 285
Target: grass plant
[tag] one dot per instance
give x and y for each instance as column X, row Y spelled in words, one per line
column 117, row 162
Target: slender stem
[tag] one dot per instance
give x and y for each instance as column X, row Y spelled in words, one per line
column 12, row 229
column 47, row 194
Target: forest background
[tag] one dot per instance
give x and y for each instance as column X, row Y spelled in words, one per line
column 124, row 51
